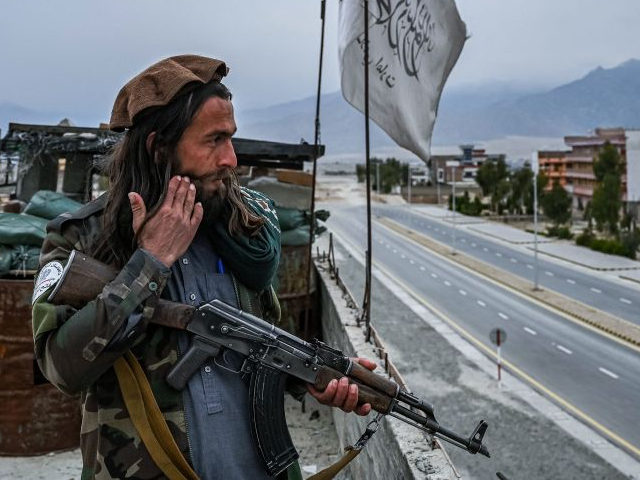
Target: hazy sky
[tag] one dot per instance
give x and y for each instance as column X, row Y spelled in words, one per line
column 72, row 56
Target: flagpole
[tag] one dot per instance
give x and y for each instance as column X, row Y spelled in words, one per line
column 366, row 313
column 313, row 183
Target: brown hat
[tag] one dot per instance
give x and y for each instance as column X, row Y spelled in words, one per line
column 159, row 84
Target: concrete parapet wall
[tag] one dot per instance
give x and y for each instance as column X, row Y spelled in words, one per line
column 397, row 450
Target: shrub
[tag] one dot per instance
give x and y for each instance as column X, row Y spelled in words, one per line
column 560, row 232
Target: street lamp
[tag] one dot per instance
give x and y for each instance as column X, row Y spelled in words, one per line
column 453, row 164
column 535, row 167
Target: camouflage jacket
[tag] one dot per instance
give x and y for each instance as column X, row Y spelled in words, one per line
column 75, row 349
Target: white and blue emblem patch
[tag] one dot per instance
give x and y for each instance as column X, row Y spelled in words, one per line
column 47, row 278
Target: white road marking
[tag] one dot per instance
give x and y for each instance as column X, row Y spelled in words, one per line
column 395, row 251
column 624, row 300
column 388, row 246
column 411, row 262
column 463, row 293
column 513, row 260
column 403, row 256
column 485, row 249
column 530, row 266
column 463, row 240
column 447, row 283
column 503, row 316
column 481, row 303
column 498, row 254
column 529, row 330
column 473, row 244
column 548, row 273
column 422, row 268
column 608, row 372
column 564, row 349
column 572, row 282
column 434, row 275
column 595, row 290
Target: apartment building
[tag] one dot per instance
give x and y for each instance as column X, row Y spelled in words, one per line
column 573, row 168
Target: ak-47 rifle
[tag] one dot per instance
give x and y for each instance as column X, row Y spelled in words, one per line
column 271, row 355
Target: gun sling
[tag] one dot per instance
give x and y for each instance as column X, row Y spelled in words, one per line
column 154, row 431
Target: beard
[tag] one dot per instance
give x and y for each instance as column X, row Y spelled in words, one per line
column 214, row 202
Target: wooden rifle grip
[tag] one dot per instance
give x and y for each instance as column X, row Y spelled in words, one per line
column 379, row 401
column 377, row 382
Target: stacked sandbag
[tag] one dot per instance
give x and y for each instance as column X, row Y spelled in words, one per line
column 22, row 234
column 295, row 225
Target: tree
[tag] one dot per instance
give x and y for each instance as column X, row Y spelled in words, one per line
column 491, row 177
column 556, row 204
column 606, row 202
column 521, row 189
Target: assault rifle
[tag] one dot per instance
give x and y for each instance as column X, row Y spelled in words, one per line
column 271, row 355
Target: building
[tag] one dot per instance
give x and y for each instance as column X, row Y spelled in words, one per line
column 573, row 168
column 554, row 165
column 470, row 160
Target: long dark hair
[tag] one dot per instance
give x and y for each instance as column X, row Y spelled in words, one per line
column 130, row 167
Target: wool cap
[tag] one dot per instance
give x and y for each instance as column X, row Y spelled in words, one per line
column 160, row 83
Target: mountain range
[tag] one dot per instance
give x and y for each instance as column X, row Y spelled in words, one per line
column 603, row 97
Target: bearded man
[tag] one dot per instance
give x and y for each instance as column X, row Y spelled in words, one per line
column 177, row 225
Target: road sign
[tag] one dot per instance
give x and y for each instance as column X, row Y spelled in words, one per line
column 498, row 336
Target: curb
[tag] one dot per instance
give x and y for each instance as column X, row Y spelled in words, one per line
column 611, row 325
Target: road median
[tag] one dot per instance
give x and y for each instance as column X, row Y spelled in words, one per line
column 603, row 321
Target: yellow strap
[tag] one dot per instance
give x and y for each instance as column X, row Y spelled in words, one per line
column 330, row 472
column 148, row 420
column 154, row 431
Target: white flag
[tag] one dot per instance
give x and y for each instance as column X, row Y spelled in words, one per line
column 413, row 45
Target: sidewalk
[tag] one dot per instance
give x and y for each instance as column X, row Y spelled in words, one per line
column 560, row 249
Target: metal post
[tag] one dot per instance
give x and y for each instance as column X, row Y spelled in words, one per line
column 378, row 177
column 438, row 184
column 366, row 310
column 453, row 189
column 313, row 185
column 409, row 182
column 499, row 361
column 535, row 231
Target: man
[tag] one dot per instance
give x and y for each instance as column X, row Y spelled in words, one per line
column 176, row 225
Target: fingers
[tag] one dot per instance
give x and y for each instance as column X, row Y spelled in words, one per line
column 366, row 363
column 197, row 215
column 190, row 200
column 180, row 196
column 138, row 210
column 341, row 394
column 174, row 183
column 363, row 409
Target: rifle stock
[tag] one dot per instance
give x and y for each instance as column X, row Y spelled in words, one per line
column 84, row 278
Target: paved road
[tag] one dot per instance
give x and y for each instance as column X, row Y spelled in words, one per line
column 598, row 376
column 593, row 290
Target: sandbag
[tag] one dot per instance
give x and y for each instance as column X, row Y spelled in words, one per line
column 297, row 236
column 290, row 218
column 49, row 205
column 19, row 258
column 22, row 229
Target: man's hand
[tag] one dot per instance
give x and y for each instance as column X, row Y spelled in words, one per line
column 168, row 234
column 341, row 394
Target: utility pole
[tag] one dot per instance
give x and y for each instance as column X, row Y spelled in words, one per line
column 453, row 164
column 535, row 167
column 409, row 182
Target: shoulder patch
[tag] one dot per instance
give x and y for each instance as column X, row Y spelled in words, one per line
column 47, row 278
